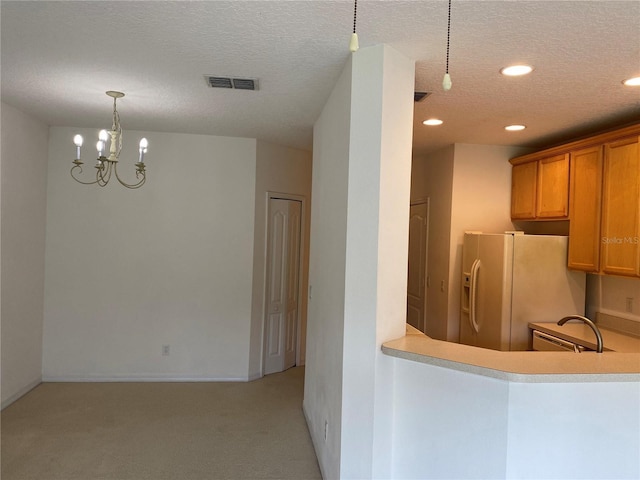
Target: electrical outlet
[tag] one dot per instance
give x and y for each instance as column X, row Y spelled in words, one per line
column 165, row 350
column 629, row 304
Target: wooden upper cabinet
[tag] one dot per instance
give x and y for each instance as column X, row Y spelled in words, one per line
column 595, row 183
column 553, row 187
column 585, row 187
column 523, row 190
column 540, row 189
column 620, row 230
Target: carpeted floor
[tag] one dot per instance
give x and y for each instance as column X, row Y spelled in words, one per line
column 177, row 431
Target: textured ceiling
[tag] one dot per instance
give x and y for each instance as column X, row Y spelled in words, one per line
column 58, row 59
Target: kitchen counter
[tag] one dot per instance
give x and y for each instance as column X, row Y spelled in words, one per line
column 582, row 334
column 524, row 367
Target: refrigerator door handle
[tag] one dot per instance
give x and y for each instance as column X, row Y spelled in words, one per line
column 473, row 295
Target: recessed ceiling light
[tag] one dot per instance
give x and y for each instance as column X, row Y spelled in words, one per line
column 516, row 70
column 632, row 82
column 514, row 128
column 433, row 121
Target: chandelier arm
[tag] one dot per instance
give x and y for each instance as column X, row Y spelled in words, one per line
column 119, row 130
column 80, row 172
column 107, row 166
column 133, row 185
column 103, row 178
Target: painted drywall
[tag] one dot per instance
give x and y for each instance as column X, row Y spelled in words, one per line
column 377, row 239
column 23, row 213
column 481, row 200
column 452, row 424
column 418, row 178
column 325, row 317
column 358, row 261
column 608, row 294
column 128, row 271
column 469, row 188
column 574, row 430
column 448, row 424
column 393, row 240
column 432, row 177
column 278, row 170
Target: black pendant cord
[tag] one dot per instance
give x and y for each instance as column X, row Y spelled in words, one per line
column 355, row 13
column 353, row 44
column 448, row 36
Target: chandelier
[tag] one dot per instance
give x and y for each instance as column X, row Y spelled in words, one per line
column 106, row 166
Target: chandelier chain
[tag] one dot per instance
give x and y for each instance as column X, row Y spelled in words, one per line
column 116, row 127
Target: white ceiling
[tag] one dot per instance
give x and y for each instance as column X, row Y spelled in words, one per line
column 58, row 59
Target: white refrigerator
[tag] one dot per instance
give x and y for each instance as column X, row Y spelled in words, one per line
column 511, row 279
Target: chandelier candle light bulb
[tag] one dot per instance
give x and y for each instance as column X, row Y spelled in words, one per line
column 105, row 166
column 143, row 149
column 77, row 140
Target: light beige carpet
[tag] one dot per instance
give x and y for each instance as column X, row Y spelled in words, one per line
column 178, row 431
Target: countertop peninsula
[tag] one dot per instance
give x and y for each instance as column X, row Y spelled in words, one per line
column 522, row 367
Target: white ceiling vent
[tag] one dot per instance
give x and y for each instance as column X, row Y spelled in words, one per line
column 215, row 81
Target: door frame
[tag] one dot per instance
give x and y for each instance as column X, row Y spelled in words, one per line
column 426, row 201
column 299, row 198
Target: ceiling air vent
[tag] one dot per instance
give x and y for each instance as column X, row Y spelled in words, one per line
column 419, row 96
column 230, row 82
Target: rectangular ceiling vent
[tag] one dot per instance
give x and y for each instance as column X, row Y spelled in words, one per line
column 230, row 82
column 419, row 96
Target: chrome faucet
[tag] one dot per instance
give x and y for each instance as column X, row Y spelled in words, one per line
column 594, row 327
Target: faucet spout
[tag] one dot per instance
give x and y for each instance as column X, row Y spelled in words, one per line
column 594, row 327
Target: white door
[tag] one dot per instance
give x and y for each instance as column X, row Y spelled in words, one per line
column 283, row 272
column 416, row 294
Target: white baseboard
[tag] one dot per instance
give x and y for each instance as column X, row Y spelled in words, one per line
column 255, row 376
column 21, row 392
column 136, row 378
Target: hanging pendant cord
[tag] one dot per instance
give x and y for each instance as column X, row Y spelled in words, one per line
column 448, row 35
column 355, row 12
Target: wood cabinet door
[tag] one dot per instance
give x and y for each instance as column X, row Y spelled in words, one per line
column 585, row 189
column 523, row 190
column 620, row 231
column 553, row 187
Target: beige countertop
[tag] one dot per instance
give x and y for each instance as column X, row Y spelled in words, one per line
column 527, row 367
column 579, row 332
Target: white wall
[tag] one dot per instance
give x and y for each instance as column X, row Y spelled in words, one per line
column 455, row 425
column 481, row 200
column 23, row 200
column 608, row 294
column 278, row 170
column 377, row 242
column 325, row 317
column 128, row 271
column 360, row 216
column 575, row 430
column 436, row 184
column 448, row 424
column 469, row 188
